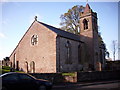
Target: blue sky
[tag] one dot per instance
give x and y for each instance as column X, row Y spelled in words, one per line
column 18, row 16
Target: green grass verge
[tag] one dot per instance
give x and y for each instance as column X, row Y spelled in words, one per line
column 6, row 69
column 68, row 74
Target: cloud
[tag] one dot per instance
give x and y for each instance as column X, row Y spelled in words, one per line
column 2, row 35
column 4, row 21
column 4, row 0
column 3, row 24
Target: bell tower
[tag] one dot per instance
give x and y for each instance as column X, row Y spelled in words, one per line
column 89, row 35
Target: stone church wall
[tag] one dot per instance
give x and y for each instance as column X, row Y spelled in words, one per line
column 42, row 54
column 62, row 66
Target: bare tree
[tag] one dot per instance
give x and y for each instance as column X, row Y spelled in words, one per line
column 119, row 50
column 114, row 43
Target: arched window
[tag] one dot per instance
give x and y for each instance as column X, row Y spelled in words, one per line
column 10, row 64
column 82, row 53
column 32, row 67
column 79, row 54
column 14, row 60
column 26, row 67
column 17, row 65
column 68, row 53
column 85, row 23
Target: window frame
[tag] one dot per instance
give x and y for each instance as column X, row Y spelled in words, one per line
column 68, row 53
column 34, row 39
column 85, row 24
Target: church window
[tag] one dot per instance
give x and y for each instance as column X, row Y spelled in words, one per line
column 32, row 67
column 26, row 66
column 17, row 65
column 85, row 23
column 68, row 53
column 79, row 53
column 10, row 64
column 101, row 56
column 14, row 60
column 34, row 39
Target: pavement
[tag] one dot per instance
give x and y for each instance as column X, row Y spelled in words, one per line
column 99, row 85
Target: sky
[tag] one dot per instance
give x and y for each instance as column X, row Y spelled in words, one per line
column 18, row 16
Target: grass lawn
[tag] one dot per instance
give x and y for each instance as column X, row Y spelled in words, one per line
column 6, row 69
column 69, row 74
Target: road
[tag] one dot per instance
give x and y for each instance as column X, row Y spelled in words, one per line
column 89, row 86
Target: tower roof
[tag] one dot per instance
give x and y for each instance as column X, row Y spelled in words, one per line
column 87, row 8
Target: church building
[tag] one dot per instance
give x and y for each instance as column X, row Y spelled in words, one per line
column 46, row 49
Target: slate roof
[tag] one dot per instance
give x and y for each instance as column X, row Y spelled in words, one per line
column 62, row 33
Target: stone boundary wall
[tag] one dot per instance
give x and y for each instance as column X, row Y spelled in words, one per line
column 98, row 75
column 79, row 77
column 53, row 77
